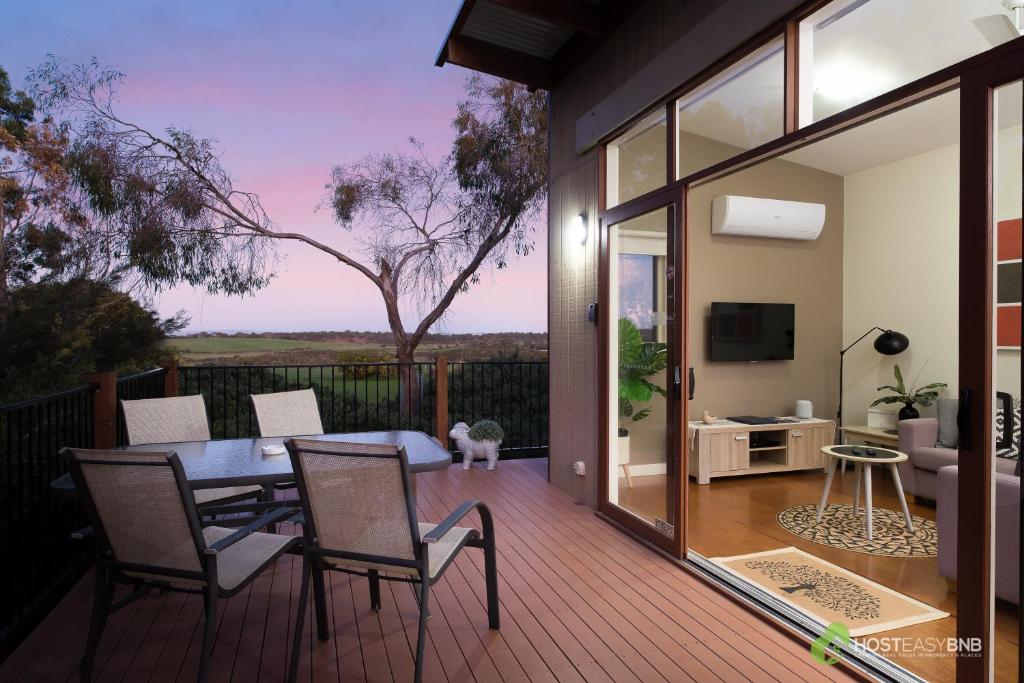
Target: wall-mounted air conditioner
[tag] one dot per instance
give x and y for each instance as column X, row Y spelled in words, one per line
column 757, row 217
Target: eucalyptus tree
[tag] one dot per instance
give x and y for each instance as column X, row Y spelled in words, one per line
column 422, row 228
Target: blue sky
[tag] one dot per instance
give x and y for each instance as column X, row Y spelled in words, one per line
column 288, row 89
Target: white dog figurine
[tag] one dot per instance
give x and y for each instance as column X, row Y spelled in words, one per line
column 479, row 441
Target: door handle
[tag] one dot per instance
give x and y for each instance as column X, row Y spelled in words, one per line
column 677, row 381
column 963, row 418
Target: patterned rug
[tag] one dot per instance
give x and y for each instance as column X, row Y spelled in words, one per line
column 841, row 528
column 828, row 593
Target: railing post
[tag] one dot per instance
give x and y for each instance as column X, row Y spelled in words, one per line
column 105, row 410
column 171, row 378
column 441, row 401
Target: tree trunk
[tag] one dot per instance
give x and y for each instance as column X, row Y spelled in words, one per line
column 410, row 385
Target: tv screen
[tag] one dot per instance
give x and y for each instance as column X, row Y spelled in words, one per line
column 752, row 332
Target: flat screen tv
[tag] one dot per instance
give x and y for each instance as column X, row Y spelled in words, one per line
column 752, row 332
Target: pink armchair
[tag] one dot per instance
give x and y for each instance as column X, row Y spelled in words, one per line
column 1007, row 535
column 919, row 473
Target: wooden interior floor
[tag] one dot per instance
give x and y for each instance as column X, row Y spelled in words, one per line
column 580, row 601
column 736, row 516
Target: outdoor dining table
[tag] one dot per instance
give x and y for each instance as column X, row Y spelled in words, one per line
column 241, row 462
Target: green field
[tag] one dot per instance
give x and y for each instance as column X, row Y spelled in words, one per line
column 220, row 346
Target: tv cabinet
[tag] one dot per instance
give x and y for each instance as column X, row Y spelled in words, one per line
column 731, row 449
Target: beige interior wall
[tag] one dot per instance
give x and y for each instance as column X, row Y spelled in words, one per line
column 901, row 264
column 748, row 269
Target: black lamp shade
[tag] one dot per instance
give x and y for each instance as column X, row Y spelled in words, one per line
column 889, row 343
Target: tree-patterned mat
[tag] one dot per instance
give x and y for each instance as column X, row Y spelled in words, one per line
column 828, row 593
column 841, row 528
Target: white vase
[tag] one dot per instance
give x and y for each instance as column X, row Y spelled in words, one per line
column 804, row 409
column 622, row 452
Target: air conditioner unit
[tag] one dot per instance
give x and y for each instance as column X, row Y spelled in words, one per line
column 758, row 217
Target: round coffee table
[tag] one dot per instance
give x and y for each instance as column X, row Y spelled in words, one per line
column 864, row 458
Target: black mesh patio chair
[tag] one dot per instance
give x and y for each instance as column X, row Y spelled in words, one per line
column 359, row 517
column 180, row 418
column 147, row 535
column 287, row 413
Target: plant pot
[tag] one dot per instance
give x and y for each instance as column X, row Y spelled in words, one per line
column 622, row 452
column 908, row 412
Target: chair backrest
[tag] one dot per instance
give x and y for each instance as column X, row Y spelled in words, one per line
column 166, row 420
column 141, row 509
column 357, row 499
column 287, row 413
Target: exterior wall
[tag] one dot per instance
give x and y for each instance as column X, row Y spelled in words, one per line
column 654, row 29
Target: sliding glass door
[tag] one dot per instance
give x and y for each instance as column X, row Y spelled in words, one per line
column 642, row 294
column 987, row 538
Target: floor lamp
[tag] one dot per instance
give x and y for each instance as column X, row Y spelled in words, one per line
column 889, row 343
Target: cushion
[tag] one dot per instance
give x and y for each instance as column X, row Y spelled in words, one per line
column 946, row 410
column 934, row 458
column 1012, row 452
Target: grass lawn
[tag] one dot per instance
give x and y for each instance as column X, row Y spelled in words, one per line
column 222, row 346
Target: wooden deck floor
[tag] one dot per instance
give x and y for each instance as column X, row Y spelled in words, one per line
column 580, row 601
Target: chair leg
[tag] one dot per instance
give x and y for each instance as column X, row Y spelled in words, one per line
column 421, row 639
column 319, row 599
column 300, row 621
column 491, row 578
column 209, row 632
column 629, row 479
column 100, row 612
column 374, row 577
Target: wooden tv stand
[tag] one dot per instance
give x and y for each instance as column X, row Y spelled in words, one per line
column 724, row 449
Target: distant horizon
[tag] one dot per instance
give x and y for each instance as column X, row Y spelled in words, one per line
column 339, row 331
column 325, row 85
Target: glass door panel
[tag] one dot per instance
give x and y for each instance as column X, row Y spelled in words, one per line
column 642, row 399
column 1007, row 114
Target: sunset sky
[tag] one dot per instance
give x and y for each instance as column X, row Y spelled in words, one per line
column 289, row 89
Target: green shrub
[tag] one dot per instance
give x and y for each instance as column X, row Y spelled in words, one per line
column 486, row 430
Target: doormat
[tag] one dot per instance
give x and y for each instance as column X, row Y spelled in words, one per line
column 827, row 593
column 841, row 527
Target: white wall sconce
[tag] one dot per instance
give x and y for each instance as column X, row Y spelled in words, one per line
column 578, row 228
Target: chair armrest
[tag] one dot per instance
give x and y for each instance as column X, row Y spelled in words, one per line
column 451, row 520
column 278, row 515
column 920, row 432
column 83, row 533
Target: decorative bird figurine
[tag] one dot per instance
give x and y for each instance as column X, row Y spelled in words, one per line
column 708, row 419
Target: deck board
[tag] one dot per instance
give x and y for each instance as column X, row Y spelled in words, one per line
column 580, row 601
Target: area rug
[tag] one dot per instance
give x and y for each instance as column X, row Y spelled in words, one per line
column 841, row 528
column 827, row 593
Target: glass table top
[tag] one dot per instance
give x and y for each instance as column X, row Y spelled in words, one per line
column 867, row 452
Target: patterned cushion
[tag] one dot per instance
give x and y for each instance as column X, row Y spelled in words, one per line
column 1013, row 451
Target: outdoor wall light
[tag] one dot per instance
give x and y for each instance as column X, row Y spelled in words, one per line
column 578, row 228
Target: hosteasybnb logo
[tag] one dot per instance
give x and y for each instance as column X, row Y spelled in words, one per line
column 828, row 648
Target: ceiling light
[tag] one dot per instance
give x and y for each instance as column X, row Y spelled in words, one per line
column 846, row 81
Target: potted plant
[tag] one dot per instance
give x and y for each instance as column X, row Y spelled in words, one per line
column 909, row 397
column 638, row 360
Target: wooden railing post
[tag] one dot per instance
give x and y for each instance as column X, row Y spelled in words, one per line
column 171, row 378
column 441, row 401
column 105, row 410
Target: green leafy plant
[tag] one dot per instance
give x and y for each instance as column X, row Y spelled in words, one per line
column 638, row 360
column 486, row 430
column 924, row 396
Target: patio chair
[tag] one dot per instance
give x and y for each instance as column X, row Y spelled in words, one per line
column 359, row 518
column 148, row 535
column 175, row 419
column 287, row 413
